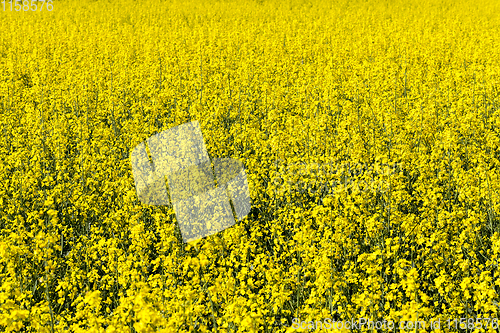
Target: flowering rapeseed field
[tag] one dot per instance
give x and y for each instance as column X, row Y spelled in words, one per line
column 406, row 93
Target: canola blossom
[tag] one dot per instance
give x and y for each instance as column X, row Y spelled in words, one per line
column 367, row 130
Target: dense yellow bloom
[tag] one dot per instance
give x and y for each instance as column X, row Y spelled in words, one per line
column 368, row 131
